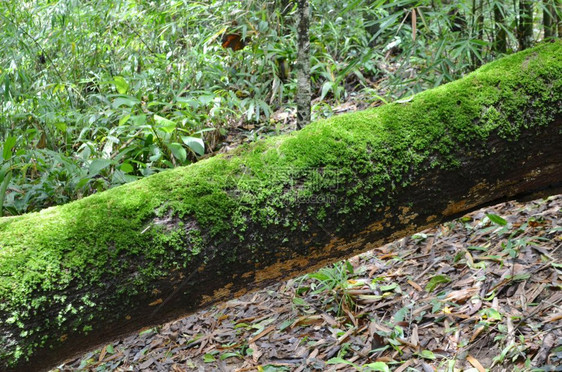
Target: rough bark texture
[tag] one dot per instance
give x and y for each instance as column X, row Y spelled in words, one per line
column 303, row 64
column 78, row 275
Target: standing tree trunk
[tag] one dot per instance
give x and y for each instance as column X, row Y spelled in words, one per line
column 558, row 9
column 525, row 29
column 303, row 64
column 479, row 27
column 548, row 19
column 500, row 35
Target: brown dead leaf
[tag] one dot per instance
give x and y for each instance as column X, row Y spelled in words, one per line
column 415, row 285
column 262, row 333
column 475, row 363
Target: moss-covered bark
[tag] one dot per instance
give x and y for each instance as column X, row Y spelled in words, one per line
column 81, row 274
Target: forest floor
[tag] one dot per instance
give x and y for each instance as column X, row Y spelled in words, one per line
column 479, row 293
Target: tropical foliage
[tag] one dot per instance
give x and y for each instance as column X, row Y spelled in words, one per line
column 98, row 93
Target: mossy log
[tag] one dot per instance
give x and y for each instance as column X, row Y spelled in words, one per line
column 81, row 274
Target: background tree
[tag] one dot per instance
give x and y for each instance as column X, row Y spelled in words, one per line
column 525, row 29
column 303, row 64
column 549, row 19
column 559, row 16
column 500, row 34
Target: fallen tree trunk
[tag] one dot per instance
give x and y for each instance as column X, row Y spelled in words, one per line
column 75, row 276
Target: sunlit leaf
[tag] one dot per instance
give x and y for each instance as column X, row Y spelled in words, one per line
column 377, row 366
column 120, row 84
column 164, row 124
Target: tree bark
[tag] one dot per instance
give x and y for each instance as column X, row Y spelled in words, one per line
column 525, row 28
column 558, row 8
column 79, row 275
column 548, row 19
column 500, row 35
column 478, row 28
column 303, row 64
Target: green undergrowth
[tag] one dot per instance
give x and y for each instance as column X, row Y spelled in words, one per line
column 85, row 242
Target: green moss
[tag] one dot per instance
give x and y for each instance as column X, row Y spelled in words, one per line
column 352, row 159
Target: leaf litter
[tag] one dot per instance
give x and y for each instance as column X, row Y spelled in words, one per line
column 480, row 293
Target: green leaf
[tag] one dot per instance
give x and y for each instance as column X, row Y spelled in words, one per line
column 147, row 331
column 209, row 358
column 326, row 88
column 229, row 355
column 389, row 287
column 164, row 124
column 338, row 360
column 435, row 281
column 427, row 354
column 61, row 126
column 377, row 366
column 124, row 119
column 496, row 219
column 3, row 187
column 400, row 315
column 521, row 277
column 349, row 267
column 82, row 183
column 178, row 151
column 8, row 146
column 120, row 84
column 194, row 143
column 299, row 301
column 477, row 248
column 126, row 167
column 97, row 165
column 272, row 368
column 286, row 324
column 157, row 154
column 124, row 101
column 319, row 276
column 491, row 314
column 206, row 99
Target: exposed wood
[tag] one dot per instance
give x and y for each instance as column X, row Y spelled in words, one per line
column 82, row 274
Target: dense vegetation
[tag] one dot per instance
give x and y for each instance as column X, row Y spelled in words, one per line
column 97, row 93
